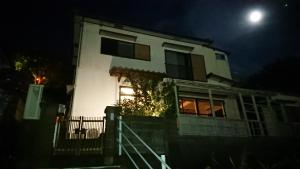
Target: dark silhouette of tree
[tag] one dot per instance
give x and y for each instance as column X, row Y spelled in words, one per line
column 282, row 75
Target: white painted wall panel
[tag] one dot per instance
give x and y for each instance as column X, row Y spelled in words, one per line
column 94, row 88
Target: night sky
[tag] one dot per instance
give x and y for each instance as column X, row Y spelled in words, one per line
column 45, row 28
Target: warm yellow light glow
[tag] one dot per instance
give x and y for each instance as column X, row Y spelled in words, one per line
column 127, row 98
column 37, row 81
column 127, row 91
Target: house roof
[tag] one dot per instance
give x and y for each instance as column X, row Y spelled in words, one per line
column 139, row 29
column 198, row 86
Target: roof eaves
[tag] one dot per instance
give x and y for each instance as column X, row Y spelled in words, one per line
column 138, row 29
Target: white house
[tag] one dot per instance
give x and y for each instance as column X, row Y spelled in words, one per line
column 207, row 103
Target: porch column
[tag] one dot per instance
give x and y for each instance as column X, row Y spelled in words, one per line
column 244, row 113
column 257, row 115
column 109, row 137
column 211, row 103
column 176, row 100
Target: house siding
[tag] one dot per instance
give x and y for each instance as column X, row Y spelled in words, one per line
column 95, row 89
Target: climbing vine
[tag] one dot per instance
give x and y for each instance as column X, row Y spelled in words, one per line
column 152, row 96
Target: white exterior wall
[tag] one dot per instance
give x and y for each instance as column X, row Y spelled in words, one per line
column 157, row 52
column 95, row 88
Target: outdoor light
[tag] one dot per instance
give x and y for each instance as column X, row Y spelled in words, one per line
column 38, row 80
column 255, row 16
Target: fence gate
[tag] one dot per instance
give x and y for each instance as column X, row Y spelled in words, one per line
column 78, row 135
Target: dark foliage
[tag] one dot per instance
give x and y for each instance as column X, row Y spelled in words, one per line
column 280, row 76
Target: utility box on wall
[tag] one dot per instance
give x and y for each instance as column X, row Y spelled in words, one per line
column 32, row 107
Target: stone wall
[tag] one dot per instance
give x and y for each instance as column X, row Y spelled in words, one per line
column 201, row 126
column 153, row 130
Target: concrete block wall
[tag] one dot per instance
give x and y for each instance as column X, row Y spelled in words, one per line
column 150, row 129
column 202, row 126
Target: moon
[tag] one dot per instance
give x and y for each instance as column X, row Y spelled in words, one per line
column 255, row 16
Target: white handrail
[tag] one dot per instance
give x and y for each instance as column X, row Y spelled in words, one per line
column 120, row 135
column 133, row 133
column 55, row 134
column 136, row 150
column 129, row 156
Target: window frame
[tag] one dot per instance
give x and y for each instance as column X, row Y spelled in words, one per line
column 188, row 67
column 117, row 52
column 220, row 56
column 123, row 94
column 198, row 113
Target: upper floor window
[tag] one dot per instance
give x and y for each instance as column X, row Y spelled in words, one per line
column 185, row 66
column 125, row 49
column 220, row 56
column 178, row 65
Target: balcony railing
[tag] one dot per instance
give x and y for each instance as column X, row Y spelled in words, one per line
column 78, row 135
column 207, row 126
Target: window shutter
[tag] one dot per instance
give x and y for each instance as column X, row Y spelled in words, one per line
column 199, row 70
column 142, row 52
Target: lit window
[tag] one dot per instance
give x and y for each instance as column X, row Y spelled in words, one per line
column 204, row 107
column 126, row 98
column 188, row 106
column 126, row 93
column 219, row 108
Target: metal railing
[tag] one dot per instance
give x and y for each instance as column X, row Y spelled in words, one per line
column 78, row 134
column 257, row 128
column 121, row 147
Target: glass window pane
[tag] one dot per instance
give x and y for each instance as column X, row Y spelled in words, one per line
column 126, row 98
column 219, row 108
column 175, row 58
column 142, row 52
column 204, row 107
column 178, row 65
column 187, row 106
column 125, row 49
column 220, row 56
column 126, row 91
column 109, row 46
